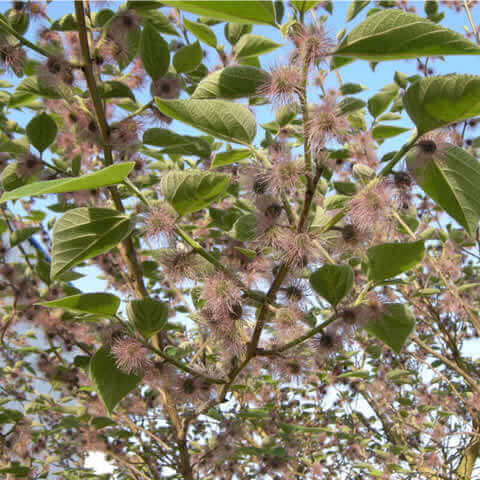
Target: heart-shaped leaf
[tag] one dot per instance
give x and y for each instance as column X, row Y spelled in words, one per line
column 147, row 315
column 236, row 81
column 191, row 190
column 84, row 233
column 451, row 178
column 390, row 259
column 108, row 176
column 102, row 304
column 394, row 325
column 110, row 382
column 41, row 131
column 393, row 34
column 226, row 120
column 433, row 102
column 332, row 282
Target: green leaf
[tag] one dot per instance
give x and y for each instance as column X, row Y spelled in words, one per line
column 29, row 89
column 226, row 120
column 202, row 32
column 64, row 24
column 148, row 316
column 229, row 157
column 231, row 82
column 10, row 179
column 394, row 326
column 452, row 179
column 355, row 7
column 352, row 88
column 332, row 282
column 19, row 236
column 304, row 5
column 83, row 233
column 245, row 228
column 433, row 102
column 390, row 259
column 41, row 131
column 172, row 143
column 102, row 304
column 382, row 131
column 233, row 31
column 256, row 12
column 114, row 89
column 191, row 190
column 251, row 45
column 188, row 58
column 154, row 52
column 393, row 34
column 110, row 382
column 108, row 176
column 380, row 101
column 157, row 19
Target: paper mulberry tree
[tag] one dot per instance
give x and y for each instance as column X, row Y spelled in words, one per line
column 212, row 267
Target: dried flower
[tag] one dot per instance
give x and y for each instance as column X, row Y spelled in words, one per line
column 284, row 175
column 124, row 135
column 178, row 265
column 222, row 294
column 192, row 388
column 130, row 355
column 166, row 87
column 12, row 58
column 28, row 165
column 56, row 70
column 327, row 342
column 283, row 86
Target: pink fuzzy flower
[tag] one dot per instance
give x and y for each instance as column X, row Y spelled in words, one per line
column 124, row 136
column 178, row 265
column 28, row 165
column 56, row 70
column 327, row 342
column 160, row 223
column 287, row 323
column 130, row 355
column 326, row 123
column 192, row 389
column 222, row 294
column 284, row 175
column 12, row 58
column 313, row 45
column 283, row 86
column 370, row 208
column 166, row 87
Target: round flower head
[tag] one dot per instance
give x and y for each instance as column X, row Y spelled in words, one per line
column 56, row 71
column 28, row 165
column 130, row 356
column 12, row 58
column 327, row 122
column 298, row 248
column 160, row 223
column 283, row 86
column 287, row 323
column 166, row 87
column 327, row 342
column 290, row 368
column 255, row 180
column 178, row 265
column 125, row 22
column 222, row 294
column 192, row 389
column 295, row 292
column 284, row 175
column 313, row 45
column 352, row 237
column 370, row 208
column 124, row 136
column 431, row 146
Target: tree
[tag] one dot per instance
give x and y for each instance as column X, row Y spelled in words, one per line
column 281, row 301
